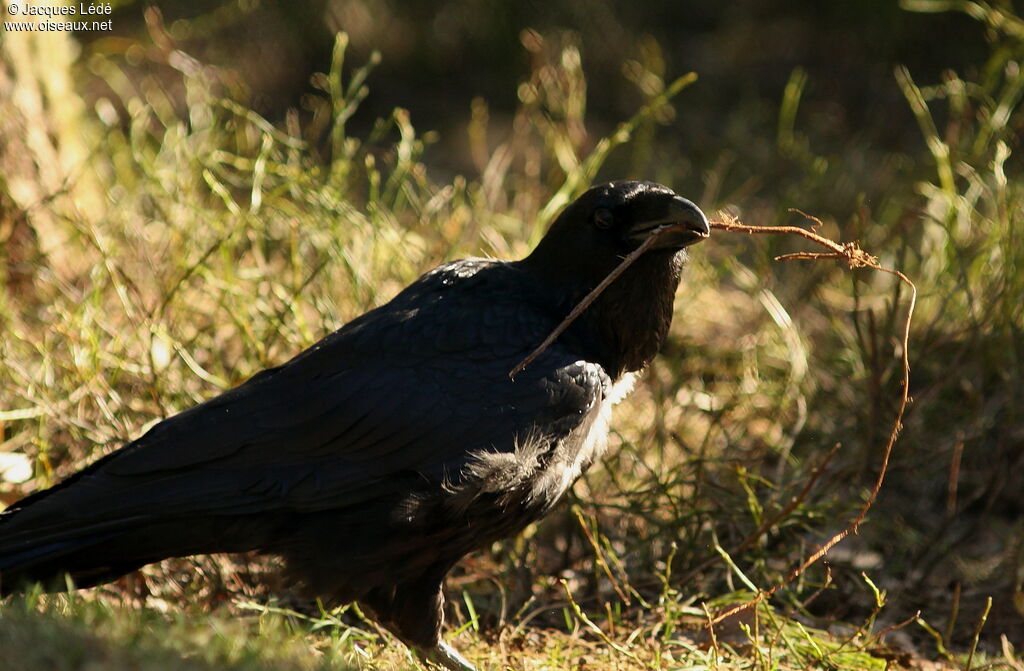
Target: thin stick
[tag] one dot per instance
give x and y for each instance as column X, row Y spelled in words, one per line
column 711, row 633
column 893, row 627
column 588, row 299
column 582, row 617
column 954, row 478
column 977, row 633
column 816, row 473
column 850, row 251
column 599, row 556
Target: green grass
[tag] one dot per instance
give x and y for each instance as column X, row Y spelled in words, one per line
column 65, row 634
column 184, row 252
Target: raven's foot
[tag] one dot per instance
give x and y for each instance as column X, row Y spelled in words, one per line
column 444, row 656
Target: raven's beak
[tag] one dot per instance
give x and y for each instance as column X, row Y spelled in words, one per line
column 681, row 225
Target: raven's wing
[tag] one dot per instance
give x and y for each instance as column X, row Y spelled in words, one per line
column 412, row 389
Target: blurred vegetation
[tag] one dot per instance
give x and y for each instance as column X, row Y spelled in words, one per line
column 185, row 202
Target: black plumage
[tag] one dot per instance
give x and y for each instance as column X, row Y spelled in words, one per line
column 376, row 459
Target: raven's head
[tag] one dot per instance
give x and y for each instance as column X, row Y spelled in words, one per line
column 624, row 214
column 597, row 230
column 594, row 233
column 591, row 237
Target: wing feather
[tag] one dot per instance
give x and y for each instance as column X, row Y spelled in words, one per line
column 417, row 386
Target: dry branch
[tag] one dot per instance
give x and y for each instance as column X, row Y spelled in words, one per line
column 855, row 257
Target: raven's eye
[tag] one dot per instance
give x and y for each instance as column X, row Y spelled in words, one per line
column 603, row 218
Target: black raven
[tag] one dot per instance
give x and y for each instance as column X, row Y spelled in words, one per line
column 376, row 459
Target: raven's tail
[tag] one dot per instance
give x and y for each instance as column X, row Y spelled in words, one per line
column 89, row 556
column 102, row 550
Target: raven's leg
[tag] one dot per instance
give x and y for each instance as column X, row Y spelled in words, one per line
column 414, row 611
column 445, row 656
